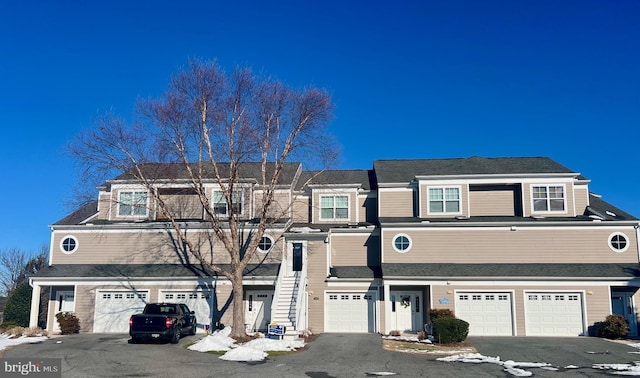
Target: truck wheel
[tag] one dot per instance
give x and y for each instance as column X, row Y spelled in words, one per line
column 176, row 336
column 193, row 329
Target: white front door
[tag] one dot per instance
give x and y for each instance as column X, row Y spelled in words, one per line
column 65, row 301
column 258, row 309
column 406, row 311
column 622, row 304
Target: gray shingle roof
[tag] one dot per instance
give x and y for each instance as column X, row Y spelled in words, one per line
column 82, row 214
column 177, row 171
column 489, row 271
column 600, row 207
column 400, row 171
column 364, row 177
column 145, row 271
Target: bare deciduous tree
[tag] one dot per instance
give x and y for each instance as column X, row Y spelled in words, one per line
column 206, row 128
column 12, row 263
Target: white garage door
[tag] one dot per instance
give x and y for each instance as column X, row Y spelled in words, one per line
column 350, row 312
column 488, row 313
column 113, row 309
column 199, row 301
column 554, row 314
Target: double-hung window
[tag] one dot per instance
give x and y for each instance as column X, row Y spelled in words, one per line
column 132, row 204
column 220, row 205
column 444, row 200
column 334, row 207
column 548, row 198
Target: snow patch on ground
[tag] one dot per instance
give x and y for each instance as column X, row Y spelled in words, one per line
column 7, row 340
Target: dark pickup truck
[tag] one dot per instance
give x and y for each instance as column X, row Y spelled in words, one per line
column 166, row 321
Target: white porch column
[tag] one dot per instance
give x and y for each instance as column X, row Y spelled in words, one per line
column 387, row 309
column 35, row 305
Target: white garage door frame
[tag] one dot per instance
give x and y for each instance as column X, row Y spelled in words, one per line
column 475, row 307
column 351, row 311
column 113, row 308
column 203, row 307
column 547, row 318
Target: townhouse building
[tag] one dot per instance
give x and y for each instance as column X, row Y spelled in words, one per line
column 516, row 246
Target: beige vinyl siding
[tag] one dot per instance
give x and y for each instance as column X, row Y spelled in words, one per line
column 424, row 200
column 596, row 299
column 368, row 208
column 501, row 245
column 581, row 198
column 181, row 206
column 104, row 205
column 300, row 209
column 279, row 207
column 353, row 249
column 491, row 202
column 316, row 286
column 143, row 247
column 569, row 200
column 353, row 204
column 396, row 203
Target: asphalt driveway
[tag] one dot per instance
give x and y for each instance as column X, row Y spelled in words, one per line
column 330, row 355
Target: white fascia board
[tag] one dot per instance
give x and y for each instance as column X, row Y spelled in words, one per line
column 158, row 281
column 353, row 283
column 499, row 177
column 537, row 281
column 332, row 186
column 500, row 226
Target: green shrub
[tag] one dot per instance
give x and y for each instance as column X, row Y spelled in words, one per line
column 5, row 326
column 18, row 306
column 69, row 322
column 438, row 313
column 614, row 327
column 449, row 330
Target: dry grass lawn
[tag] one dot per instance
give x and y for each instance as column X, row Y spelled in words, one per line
column 435, row 350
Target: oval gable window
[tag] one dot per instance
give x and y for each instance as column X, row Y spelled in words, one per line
column 401, row 243
column 265, row 244
column 618, row 242
column 69, row 244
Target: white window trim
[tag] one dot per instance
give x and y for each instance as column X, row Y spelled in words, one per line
column 393, row 243
column 334, row 195
column 444, row 211
column 62, row 244
column 132, row 190
column 565, row 204
column 618, row 234
column 226, row 214
column 273, row 243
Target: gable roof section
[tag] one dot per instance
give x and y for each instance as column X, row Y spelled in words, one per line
column 403, row 171
column 82, row 214
column 177, row 171
column 365, row 178
column 605, row 210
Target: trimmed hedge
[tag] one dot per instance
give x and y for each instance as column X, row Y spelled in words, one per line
column 449, row 330
column 18, row 306
column 69, row 322
column 614, row 327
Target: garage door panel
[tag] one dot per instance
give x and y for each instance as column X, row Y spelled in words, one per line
column 114, row 308
column 554, row 314
column 201, row 302
column 488, row 313
column 350, row 312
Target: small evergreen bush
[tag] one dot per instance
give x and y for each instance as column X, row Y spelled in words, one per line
column 18, row 306
column 613, row 327
column 69, row 322
column 438, row 313
column 449, row 330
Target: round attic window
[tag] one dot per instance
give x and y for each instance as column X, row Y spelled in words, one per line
column 401, row 243
column 618, row 242
column 265, row 244
column 69, row 244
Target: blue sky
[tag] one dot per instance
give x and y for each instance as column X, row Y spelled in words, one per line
column 410, row 79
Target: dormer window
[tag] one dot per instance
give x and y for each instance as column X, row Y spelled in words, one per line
column 220, row 203
column 547, row 198
column 132, row 204
column 444, row 200
column 334, row 207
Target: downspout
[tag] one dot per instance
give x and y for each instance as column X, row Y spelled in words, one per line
column 637, row 227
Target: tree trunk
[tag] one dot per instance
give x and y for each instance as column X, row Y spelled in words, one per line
column 238, row 330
